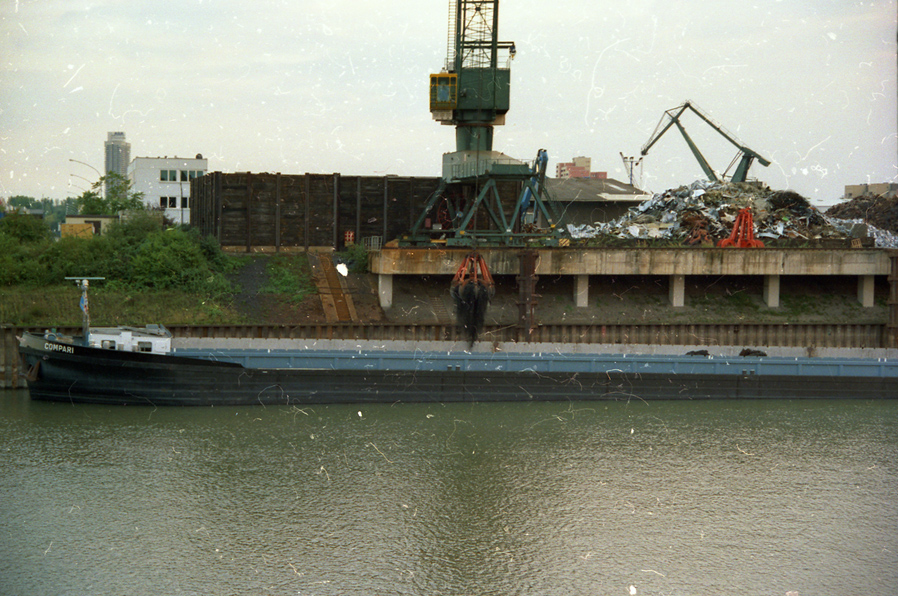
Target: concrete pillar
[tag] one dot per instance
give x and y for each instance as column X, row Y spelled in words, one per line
column 678, row 290
column 865, row 290
column 581, row 291
column 385, row 289
column 772, row 291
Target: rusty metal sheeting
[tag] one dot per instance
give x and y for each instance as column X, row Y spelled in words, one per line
column 767, row 334
column 821, row 335
column 527, row 298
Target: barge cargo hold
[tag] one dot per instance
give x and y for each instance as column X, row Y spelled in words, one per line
column 62, row 369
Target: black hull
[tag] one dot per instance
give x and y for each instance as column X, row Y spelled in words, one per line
column 90, row 375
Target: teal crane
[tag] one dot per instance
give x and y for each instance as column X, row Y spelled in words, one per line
column 473, row 204
column 472, row 92
column 746, row 156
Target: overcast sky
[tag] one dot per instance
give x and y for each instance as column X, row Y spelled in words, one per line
column 323, row 86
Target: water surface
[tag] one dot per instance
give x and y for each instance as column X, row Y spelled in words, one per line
column 692, row 498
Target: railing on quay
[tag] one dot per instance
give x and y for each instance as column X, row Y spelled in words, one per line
column 800, row 335
column 747, row 335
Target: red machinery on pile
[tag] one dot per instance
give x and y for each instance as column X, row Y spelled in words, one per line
column 472, row 289
column 743, row 234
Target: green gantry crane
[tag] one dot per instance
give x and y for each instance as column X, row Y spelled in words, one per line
column 472, row 93
column 745, row 156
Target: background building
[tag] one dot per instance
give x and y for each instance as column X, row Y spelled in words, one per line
column 85, row 226
column 578, row 168
column 587, row 201
column 883, row 189
column 165, row 183
column 118, row 153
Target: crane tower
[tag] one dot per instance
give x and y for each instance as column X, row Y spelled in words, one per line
column 472, row 91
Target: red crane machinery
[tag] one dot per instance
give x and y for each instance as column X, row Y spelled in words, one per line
column 743, row 234
column 472, row 289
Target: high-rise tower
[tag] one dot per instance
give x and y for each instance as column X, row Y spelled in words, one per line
column 118, row 154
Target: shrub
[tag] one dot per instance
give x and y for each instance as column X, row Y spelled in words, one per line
column 355, row 257
column 173, row 260
column 128, row 232
column 25, row 228
column 13, row 259
column 93, row 257
column 288, row 274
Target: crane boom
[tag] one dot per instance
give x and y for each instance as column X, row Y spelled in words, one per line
column 671, row 118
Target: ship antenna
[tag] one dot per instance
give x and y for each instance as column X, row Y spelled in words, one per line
column 84, row 283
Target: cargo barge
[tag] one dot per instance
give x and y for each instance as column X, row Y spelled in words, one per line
column 136, row 366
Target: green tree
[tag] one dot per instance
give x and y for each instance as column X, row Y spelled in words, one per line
column 13, row 258
column 55, row 211
column 128, row 232
column 118, row 197
column 23, row 202
column 91, row 203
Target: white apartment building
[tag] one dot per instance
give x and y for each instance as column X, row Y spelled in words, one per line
column 165, row 182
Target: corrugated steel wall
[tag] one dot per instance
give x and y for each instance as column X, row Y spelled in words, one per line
column 275, row 211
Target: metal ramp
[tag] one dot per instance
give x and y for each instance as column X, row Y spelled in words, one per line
column 335, row 297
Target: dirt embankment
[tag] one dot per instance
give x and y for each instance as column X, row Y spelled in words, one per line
column 612, row 301
column 255, row 304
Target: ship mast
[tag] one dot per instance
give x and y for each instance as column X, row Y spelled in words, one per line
column 84, row 284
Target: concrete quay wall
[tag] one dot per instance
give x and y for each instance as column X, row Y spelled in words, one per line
column 640, row 261
column 676, row 263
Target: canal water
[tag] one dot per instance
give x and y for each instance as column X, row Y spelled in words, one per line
column 607, row 498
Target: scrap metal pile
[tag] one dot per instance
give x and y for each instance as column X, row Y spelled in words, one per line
column 705, row 212
column 878, row 213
